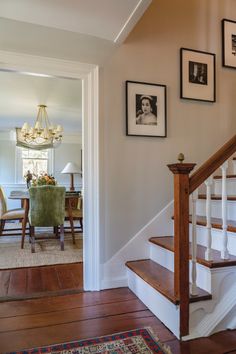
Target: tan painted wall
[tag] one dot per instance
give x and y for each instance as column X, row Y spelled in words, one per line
column 137, row 184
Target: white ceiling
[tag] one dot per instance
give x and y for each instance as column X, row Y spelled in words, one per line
column 107, row 19
column 21, row 94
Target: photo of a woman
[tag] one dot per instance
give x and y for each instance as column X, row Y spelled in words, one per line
column 146, row 108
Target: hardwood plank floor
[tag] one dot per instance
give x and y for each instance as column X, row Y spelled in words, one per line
column 43, row 321
column 23, row 283
column 48, row 319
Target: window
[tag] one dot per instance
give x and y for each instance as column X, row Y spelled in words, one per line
column 35, row 161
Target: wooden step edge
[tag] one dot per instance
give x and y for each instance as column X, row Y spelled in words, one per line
column 147, row 278
column 169, row 245
column 157, row 240
column 157, row 282
column 217, row 197
column 227, row 176
column 214, row 225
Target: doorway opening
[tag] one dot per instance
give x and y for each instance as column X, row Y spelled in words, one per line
column 88, row 74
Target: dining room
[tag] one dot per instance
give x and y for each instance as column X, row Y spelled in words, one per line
column 40, row 147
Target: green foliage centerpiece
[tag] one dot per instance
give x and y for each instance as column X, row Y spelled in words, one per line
column 44, row 180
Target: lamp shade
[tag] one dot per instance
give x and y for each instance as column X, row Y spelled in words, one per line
column 71, row 167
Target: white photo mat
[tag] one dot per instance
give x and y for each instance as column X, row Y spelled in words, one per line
column 229, row 43
column 196, row 90
column 156, row 125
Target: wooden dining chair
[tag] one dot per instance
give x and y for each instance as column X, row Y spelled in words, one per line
column 46, row 208
column 74, row 211
column 6, row 214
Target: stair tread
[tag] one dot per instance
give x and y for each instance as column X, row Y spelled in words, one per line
column 216, row 223
column 227, row 176
column 167, row 242
column 217, row 197
column 161, row 279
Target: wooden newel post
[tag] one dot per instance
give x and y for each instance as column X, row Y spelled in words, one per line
column 181, row 240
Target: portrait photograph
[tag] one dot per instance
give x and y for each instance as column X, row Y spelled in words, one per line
column 197, row 75
column 145, row 109
column 229, row 43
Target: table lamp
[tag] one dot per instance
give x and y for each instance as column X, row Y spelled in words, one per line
column 71, row 168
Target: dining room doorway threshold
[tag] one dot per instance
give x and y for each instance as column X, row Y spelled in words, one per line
column 41, row 281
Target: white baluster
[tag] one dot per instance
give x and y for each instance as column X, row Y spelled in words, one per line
column 193, row 286
column 208, row 253
column 224, row 252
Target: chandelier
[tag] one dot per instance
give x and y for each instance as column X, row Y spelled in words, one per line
column 43, row 133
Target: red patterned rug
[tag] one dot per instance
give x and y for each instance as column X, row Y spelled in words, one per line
column 138, row 341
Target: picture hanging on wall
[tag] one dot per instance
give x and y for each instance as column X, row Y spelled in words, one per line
column 197, row 75
column 229, row 43
column 145, row 109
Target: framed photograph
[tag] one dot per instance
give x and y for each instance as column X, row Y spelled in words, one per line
column 145, row 109
column 229, row 43
column 197, row 75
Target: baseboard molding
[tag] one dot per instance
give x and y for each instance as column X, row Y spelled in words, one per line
column 118, row 282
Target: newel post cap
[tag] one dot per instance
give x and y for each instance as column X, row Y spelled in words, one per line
column 181, row 168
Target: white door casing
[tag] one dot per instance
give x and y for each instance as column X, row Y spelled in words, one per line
column 88, row 73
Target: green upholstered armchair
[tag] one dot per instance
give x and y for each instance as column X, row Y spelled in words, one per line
column 47, row 208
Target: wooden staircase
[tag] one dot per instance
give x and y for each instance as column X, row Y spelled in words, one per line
column 186, row 281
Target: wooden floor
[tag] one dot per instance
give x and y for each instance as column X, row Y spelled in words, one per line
column 48, row 319
column 43, row 321
column 42, row 281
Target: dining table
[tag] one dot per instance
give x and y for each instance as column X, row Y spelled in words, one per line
column 23, row 195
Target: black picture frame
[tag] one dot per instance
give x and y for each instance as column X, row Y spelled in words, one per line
column 197, row 75
column 146, row 109
column 228, row 43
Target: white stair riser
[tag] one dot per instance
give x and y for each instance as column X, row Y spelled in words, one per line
column 217, row 239
column 165, row 310
column 234, row 166
column 162, row 256
column 216, row 209
column 165, row 258
column 230, row 186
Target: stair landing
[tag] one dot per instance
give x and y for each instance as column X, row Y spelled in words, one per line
column 162, row 279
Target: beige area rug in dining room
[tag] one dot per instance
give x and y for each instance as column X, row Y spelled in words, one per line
column 47, row 251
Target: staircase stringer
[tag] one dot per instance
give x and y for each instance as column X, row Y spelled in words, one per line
column 218, row 309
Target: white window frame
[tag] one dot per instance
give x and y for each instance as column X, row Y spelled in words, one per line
column 19, row 164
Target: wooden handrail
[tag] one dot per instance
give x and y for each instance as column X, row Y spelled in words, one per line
column 211, row 165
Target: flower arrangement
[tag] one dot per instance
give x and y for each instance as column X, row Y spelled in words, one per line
column 43, row 180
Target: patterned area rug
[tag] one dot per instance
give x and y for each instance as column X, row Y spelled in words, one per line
column 47, row 251
column 138, row 341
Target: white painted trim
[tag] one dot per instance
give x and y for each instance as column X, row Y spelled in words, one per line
column 211, row 320
column 132, row 20
column 91, row 181
column 25, row 63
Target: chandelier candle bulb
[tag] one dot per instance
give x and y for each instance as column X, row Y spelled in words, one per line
column 25, row 127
